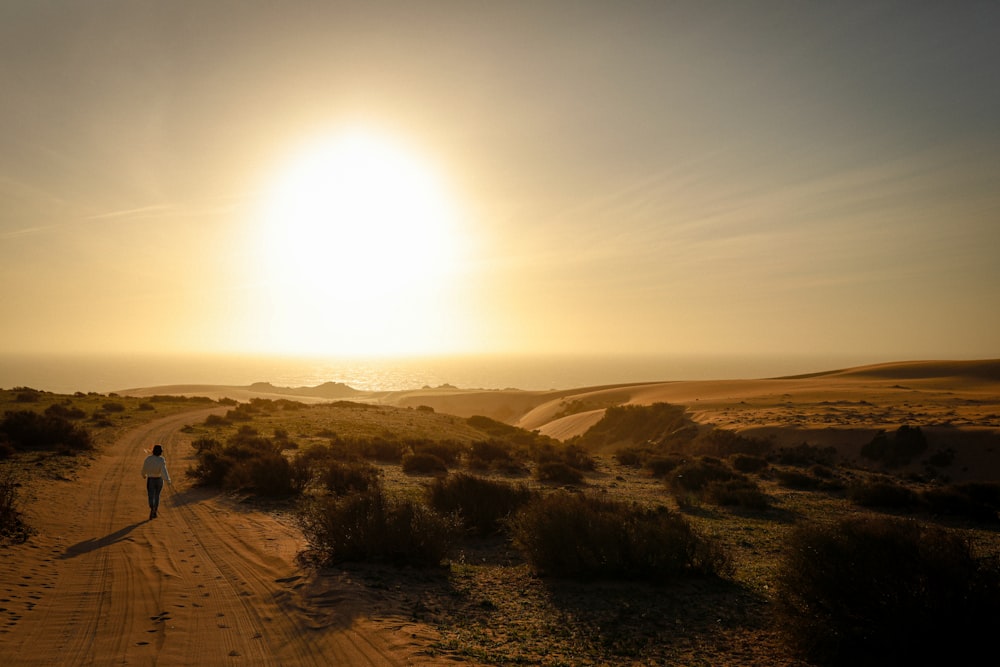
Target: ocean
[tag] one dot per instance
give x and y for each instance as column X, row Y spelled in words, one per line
column 105, row 374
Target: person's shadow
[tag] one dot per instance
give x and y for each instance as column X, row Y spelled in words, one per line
column 92, row 544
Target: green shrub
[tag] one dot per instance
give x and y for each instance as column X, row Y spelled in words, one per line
column 113, row 407
column 586, row 537
column 886, row 591
column 368, row 526
column 481, row 504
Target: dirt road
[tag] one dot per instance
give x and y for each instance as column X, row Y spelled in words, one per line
column 207, row 583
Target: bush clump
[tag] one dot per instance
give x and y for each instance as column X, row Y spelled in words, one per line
column 885, row 494
column 368, row 526
column 423, row 464
column 557, row 472
column 482, row 505
column 247, row 462
column 886, row 591
column 737, row 492
column 344, row 477
column 26, row 430
column 658, row 424
column 13, row 528
column 493, row 454
column 586, row 537
column 899, row 449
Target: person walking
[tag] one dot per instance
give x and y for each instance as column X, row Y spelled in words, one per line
column 154, row 469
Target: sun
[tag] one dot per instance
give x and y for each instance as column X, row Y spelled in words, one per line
column 358, row 248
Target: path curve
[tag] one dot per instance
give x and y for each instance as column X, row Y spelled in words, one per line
column 207, row 583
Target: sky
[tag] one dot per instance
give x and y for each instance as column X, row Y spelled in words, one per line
column 340, row 178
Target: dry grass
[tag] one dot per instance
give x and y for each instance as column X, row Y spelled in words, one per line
column 486, row 604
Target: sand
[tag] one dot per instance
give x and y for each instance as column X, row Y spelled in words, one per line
column 215, row 582
column 209, row 582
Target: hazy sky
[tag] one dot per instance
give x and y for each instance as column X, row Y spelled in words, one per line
column 666, row 177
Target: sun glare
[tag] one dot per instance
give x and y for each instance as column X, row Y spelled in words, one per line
column 359, row 246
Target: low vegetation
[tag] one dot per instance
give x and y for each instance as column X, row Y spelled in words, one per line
column 648, row 532
column 886, row 591
column 586, row 537
column 482, row 505
column 13, row 528
column 372, row 526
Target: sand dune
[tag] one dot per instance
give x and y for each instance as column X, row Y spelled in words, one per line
column 957, row 402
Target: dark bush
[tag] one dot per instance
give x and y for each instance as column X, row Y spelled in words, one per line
column 247, row 462
column 368, row 526
column 662, row 465
column 796, row 479
column 952, row 501
column 884, row 494
column 493, row 455
column 384, row 450
column 886, row 591
column 632, row 457
column 423, row 464
column 748, row 463
column 901, row 448
column 987, row 493
column 216, row 420
column 481, row 504
column 25, row 429
column 721, row 442
column 344, row 477
column 738, row 492
column 113, row 407
column 586, row 537
column 570, row 455
column 448, row 451
column 13, row 528
column 806, row 455
column 659, row 424
column 557, row 472
column 690, row 479
column 64, row 411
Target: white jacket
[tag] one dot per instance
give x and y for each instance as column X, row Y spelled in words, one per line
column 155, row 466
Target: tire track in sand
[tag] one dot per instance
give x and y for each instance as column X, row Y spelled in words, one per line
column 207, row 583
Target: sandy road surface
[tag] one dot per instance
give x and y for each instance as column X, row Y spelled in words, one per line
column 207, row 583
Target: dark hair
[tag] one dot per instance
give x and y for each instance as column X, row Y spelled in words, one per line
column 157, row 450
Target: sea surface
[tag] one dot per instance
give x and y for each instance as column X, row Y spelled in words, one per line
column 104, row 374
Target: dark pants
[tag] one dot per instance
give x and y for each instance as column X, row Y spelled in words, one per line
column 153, row 487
